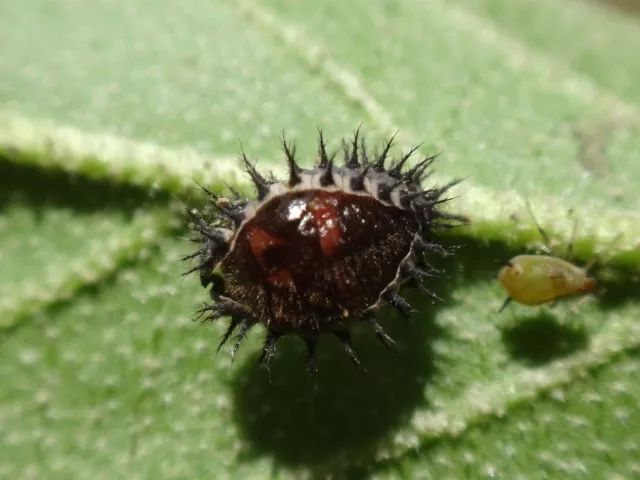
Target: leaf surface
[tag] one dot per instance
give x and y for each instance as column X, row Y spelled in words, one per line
column 108, row 110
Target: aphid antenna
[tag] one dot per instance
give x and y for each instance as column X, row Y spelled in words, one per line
column 545, row 237
column 574, row 230
column 505, row 304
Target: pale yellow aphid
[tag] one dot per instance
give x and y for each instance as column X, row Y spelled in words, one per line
column 539, row 279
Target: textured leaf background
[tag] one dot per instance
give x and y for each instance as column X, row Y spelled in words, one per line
column 108, row 112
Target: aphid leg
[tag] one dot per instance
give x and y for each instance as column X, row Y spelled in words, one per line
column 569, row 253
column 541, row 231
column 506, row 302
column 385, row 339
column 578, row 303
column 312, row 368
column 345, row 338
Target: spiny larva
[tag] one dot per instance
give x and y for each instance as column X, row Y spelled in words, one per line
column 324, row 249
column 540, row 279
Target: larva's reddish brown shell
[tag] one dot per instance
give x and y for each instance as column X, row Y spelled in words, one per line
column 321, row 251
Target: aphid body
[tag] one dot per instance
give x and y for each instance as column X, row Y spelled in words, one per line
column 322, row 250
column 538, row 279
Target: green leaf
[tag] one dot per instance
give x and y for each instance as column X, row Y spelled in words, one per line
column 60, row 235
column 110, row 110
column 604, row 39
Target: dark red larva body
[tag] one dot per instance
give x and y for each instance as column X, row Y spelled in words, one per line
column 321, row 251
column 307, row 260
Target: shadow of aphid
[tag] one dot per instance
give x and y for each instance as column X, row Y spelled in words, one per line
column 540, row 338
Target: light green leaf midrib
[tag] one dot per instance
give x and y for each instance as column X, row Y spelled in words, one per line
column 103, row 258
column 484, row 401
column 150, row 166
